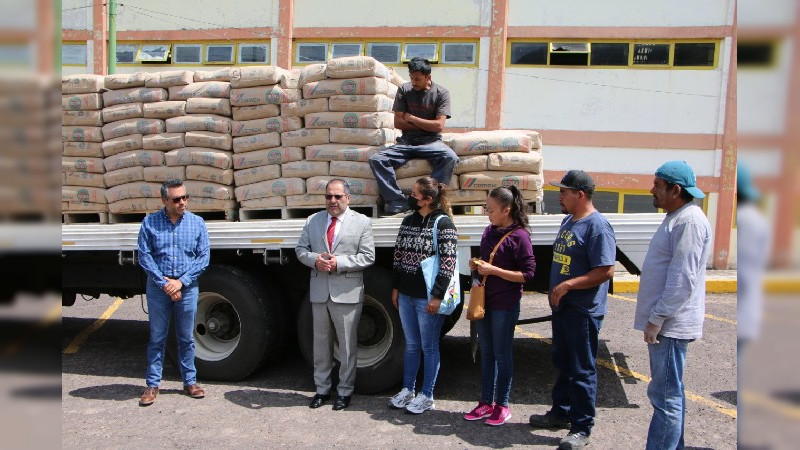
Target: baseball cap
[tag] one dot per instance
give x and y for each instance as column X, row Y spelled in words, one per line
column 679, row 172
column 744, row 184
column 576, row 179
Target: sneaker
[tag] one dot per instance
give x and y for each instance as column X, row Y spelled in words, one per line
column 499, row 416
column 574, row 440
column 480, row 411
column 401, row 399
column 550, row 419
column 420, row 404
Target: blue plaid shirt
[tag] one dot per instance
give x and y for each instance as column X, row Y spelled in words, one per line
column 180, row 250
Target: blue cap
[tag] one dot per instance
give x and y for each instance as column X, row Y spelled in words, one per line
column 678, row 172
column 744, row 184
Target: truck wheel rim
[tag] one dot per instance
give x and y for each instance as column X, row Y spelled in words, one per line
column 375, row 333
column 217, row 327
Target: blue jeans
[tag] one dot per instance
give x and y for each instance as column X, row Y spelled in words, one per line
column 422, row 332
column 575, row 339
column 666, row 394
column 160, row 309
column 496, row 340
column 383, row 164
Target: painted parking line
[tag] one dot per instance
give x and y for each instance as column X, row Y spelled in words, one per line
column 76, row 343
column 50, row 317
column 622, row 371
column 782, row 408
column 707, row 316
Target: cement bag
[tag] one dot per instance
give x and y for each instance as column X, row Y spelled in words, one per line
column 395, row 78
column 355, row 67
column 535, row 137
column 255, row 76
column 212, row 174
column 466, row 164
column 85, row 207
column 199, row 122
column 414, row 168
column 169, row 78
column 256, row 174
column 265, row 202
column 83, row 149
column 516, row 162
column 278, row 155
column 391, row 92
column 164, row 110
column 533, row 196
column 208, row 89
column 270, row 125
column 350, row 120
column 304, row 169
column 491, row 180
column 163, row 141
column 311, row 73
column 341, row 152
column 271, row 188
column 355, row 169
column 81, row 102
column 360, row 186
column 199, row 156
column 364, row 136
column 263, row 95
column 318, row 200
column 484, row 142
column 84, row 179
column 255, row 112
column 405, row 184
column 206, row 189
column 358, row 103
column 125, row 80
column 211, row 204
column 290, row 79
column 161, row 174
column 122, row 112
column 81, row 84
column 122, row 176
column 144, row 158
column 122, row 144
column 82, row 134
column 219, row 106
column 461, row 197
column 350, row 86
column 136, row 189
column 83, row 194
column 82, row 118
column 132, row 126
column 209, row 139
column 305, row 137
column 256, row 142
column 223, row 74
column 135, row 205
column 134, row 95
column 302, row 107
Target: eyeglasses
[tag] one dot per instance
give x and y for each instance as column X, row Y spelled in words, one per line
column 177, row 200
column 336, row 196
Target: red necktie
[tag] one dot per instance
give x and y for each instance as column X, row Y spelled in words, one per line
column 331, row 229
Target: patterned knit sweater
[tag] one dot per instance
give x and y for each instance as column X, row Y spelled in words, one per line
column 415, row 243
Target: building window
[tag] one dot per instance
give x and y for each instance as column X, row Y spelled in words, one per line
column 610, row 54
column 651, row 54
column 253, row 53
column 153, row 53
column 427, row 51
column 755, row 54
column 126, row 53
column 339, row 50
column 387, row 53
column 219, row 54
column 638, row 203
column 694, row 54
column 458, row 53
column 73, row 54
column 534, row 53
column 569, row 54
column 188, row 54
column 550, row 200
column 312, row 53
column 606, row 202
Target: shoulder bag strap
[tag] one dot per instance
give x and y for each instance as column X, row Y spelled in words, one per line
column 494, row 250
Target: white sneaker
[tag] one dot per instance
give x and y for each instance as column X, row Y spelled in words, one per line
column 401, row 399
column 420, row 404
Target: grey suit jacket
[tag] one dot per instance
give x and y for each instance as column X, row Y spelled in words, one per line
column 354, row 249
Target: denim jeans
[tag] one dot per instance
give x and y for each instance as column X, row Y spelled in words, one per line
column 496, row 340
column 575, row 339
column 666, row 394
column 160, row 309
column 422, row 332
column 383, row 164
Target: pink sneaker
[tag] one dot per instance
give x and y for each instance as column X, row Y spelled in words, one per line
column 499, row 416
column 480, row 411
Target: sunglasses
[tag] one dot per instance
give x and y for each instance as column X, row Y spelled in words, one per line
column 178, row 199
column 336, row 196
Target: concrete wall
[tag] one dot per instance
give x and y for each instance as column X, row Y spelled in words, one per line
column 76, row 15
column 197, row 14
column 390, row 13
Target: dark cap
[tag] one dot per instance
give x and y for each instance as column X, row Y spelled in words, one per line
column 576, row 179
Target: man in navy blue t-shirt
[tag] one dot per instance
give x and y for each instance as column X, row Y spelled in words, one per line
column 583, row 263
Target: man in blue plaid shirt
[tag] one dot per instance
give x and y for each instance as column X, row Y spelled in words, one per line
column 173, row 251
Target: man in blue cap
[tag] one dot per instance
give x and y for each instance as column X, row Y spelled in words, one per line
column 671, row 301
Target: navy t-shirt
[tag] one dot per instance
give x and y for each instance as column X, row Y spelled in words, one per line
column 581, row 246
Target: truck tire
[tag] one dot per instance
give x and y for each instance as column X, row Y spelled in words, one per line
column 240, row 324
column 380, row 335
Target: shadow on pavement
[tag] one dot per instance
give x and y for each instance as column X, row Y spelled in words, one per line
column 259, row 398
column 117, row 392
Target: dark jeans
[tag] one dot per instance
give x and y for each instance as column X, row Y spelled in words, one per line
column 496, row 340
column 575, row 338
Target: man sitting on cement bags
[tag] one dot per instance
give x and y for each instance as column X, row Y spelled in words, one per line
column 420, row 110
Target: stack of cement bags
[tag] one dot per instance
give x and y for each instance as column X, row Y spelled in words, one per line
column 83, row 185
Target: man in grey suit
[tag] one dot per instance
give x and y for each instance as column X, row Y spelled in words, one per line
column 337, row 244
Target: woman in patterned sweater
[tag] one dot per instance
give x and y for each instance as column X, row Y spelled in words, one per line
column 422, row 324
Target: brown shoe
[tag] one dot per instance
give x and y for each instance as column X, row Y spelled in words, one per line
column 194, row 391
column 149, row 396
